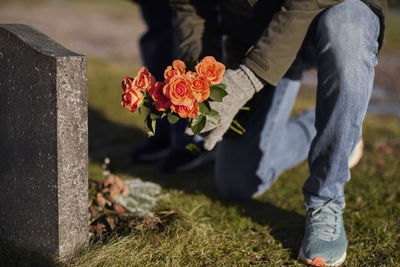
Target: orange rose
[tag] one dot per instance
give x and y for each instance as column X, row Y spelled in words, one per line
column 132, row 99
column 178, row 67
column 161, row 102
column 127, row 83
column 143, row 80
column 200, row 87
column 186, row 111
column 179, row 91
column 169, row 73
column 211, row 69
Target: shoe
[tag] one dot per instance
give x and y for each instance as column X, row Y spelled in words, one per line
column 324, row 242
column 357, row 154
column 183, row 160
column 150, row 152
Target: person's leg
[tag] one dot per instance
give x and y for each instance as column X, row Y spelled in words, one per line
column 346, row 44
column 249, row 164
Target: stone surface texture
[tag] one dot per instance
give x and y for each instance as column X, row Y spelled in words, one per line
column 43, row 142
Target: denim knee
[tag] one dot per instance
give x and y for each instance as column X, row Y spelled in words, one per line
column 350, row 29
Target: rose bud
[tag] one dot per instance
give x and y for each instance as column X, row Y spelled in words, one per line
column 179, row 66
column 211, row 69
column 143, row 80
column 169, row 73
column 132, row 99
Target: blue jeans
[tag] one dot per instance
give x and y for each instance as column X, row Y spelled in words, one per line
column 343, row 40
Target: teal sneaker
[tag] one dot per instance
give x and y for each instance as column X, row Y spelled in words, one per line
column 324, row 242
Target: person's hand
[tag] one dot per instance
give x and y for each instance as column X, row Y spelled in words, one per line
column 241, row 85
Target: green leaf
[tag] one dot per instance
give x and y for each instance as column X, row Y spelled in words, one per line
column 150, row 126
column 147, row 104
column 172, row 117
column 204, row 107
column 193, row 148
column 220, row 85
column 198, row 124
column 213, row 117
column 155, row 115
column 191, row 63
column 217, row 92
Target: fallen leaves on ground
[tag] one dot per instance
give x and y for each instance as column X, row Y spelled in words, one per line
column 107, row 216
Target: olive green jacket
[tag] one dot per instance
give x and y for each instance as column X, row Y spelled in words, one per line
column 265, row 34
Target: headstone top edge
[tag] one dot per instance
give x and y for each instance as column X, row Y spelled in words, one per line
column 38, row 41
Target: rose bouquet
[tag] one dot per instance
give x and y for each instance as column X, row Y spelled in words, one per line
column 186, row 92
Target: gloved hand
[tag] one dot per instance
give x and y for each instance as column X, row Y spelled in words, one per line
column 241, row 85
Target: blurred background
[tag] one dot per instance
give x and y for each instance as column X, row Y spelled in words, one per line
column 107, row 32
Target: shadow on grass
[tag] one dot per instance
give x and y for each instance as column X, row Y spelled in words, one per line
column 286, row 227
column 116, row 141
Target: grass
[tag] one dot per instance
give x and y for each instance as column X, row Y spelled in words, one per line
column 212, row 232
column 392, row 36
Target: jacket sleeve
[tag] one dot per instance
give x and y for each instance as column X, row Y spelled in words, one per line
column 197, row 30
column 277, row 47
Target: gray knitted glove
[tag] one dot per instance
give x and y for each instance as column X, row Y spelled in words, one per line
column 241, row 85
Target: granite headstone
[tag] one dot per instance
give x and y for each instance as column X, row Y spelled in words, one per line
column 43, row 142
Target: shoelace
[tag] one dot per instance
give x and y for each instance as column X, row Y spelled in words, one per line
column 325, row 220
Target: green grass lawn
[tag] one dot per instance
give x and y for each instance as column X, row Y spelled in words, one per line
column 209, row 231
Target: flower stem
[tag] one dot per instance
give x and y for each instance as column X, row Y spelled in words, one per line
column 233, row 128
column 239, row 126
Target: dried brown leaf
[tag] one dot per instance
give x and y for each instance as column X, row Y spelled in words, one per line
column 125, row 190
column 119, row 209
column 115, row 192
column 102, row 201
column 111, row 223
column 109, row 182
column 94, row 213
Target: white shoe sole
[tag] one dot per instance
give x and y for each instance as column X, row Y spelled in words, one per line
column 309, row 261
column 357, row 154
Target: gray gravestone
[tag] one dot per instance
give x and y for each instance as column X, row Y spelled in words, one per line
column 43, row 142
